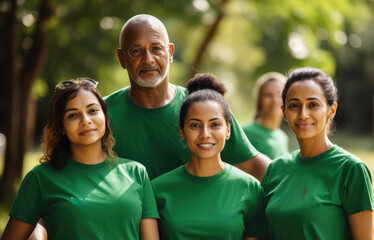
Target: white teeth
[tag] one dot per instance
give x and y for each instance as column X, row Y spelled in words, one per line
column 205, row 145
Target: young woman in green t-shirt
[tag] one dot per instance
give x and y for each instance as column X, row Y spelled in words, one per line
column 265, row 133
column 82, row 190
column 207, row 198
column 320, row 191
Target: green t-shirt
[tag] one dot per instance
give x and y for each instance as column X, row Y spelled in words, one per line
column 151, row 136
column 227, row 206
column 272, row 143
column 101, row 201
column 311, row 198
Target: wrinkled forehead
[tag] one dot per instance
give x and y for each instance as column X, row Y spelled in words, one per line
column 143, row 29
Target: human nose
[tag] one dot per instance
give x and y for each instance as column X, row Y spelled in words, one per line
column 304, row 113
column 148, row 56
column 204, row 133
column 85, row 119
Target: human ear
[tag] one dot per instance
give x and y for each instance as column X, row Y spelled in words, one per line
column 171, row 51
column 181, row 133
column 120, row 58
column 284, row 114
column 332, row 111
column 228, row 132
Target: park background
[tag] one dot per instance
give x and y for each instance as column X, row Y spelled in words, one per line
column 44, row 42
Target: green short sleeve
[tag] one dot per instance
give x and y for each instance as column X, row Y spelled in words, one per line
column 357, row 192
column 26, row 205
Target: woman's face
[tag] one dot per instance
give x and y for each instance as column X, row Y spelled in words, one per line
column 205, row 130
column 271, row 100
column 83, row 120
column 307, row 111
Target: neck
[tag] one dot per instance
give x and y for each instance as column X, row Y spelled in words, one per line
column 205, row 167
column 313, row 147
column 270, row 122
column 88, row 154
column 155, row 97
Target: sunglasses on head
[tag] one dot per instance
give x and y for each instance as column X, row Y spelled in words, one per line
column 87, row 82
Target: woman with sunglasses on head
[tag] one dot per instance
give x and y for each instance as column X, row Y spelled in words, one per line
column 81, row 189
column 320, row 191
column 265, row 133
column 207, row 198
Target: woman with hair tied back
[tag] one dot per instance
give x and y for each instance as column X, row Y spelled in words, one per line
column 320, row 191
column 81, row 189
column 207, row 198
column 265, row 133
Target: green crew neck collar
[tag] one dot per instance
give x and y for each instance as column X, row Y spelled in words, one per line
column 318, row 157
column 205, row 179
column 70, row 161
column 127, row 96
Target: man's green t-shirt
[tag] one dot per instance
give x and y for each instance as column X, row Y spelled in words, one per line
column 227, row 206
column 151, row 136
column 80, row 201
column 311, row 198
column 272, row 143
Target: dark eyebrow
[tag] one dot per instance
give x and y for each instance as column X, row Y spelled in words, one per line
column 91, row 104
column 70, row 109
column 292, row 99
column 311, row 98
column 195, row 119
column 74, row 109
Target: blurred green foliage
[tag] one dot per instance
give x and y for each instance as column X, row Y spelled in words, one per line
column 254, row 37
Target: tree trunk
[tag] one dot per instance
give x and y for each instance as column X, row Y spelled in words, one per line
column 21, row 107
column 208, row 38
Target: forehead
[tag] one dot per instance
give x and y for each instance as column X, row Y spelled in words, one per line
column 272, row 86
column 83, row 97
column 305, row 89
column 205, row 109
column 144, row 32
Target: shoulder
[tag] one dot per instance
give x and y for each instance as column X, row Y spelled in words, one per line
column 181, row 92
column 249, row 127
column 113, row 97
column 130, row 166
column 284, row 160
column 349, row 161
column 237, row 175
column 168, row 178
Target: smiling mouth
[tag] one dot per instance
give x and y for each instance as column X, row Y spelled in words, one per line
column 206, row 145
column 305, row 125
column 86, row 132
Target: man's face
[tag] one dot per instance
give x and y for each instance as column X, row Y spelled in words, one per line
column 146, row 54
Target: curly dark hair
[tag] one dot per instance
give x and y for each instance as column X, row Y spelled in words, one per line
column 55, row 145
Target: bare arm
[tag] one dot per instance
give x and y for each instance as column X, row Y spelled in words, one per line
column 17, row 230
column 149, row 229
column 361, row 225
column 39, row 233
column 255, row 166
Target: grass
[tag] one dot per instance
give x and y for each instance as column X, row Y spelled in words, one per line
column 361, row 146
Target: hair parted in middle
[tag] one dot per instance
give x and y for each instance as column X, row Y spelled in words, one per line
column 201, row 88
column 55, row 145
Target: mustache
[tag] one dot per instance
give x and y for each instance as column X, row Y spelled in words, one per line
column 148, row 67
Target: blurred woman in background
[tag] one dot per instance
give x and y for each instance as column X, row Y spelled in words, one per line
column 265, row 133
